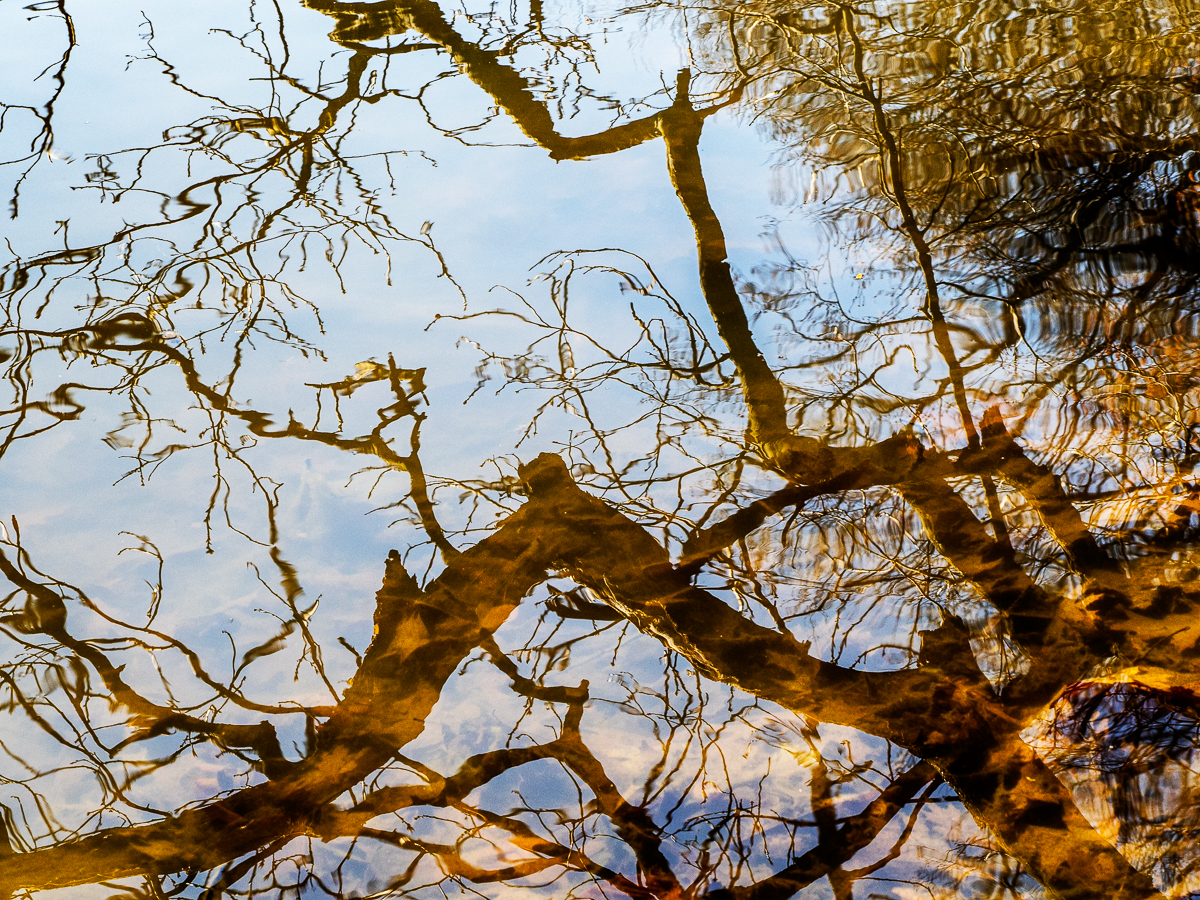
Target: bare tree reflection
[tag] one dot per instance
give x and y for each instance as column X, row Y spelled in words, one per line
column 40, row 144
column 920, row 620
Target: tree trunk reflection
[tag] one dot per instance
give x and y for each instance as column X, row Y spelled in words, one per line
column 1006, row 592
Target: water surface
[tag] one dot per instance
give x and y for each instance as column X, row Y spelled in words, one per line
column 733, row 451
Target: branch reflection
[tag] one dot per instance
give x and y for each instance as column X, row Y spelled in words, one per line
column 907, row 607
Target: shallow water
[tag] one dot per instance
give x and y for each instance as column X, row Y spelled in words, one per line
column 582, row 451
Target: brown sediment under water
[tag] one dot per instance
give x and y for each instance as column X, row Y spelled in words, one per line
column 718, row 451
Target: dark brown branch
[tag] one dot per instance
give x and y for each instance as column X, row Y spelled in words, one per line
column 422, row 637
column 892, row 163
column 358, row 22
column 765, row 402
column 943, row 711
column 46, row 613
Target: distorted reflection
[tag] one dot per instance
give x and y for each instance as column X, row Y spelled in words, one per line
column 860, row 566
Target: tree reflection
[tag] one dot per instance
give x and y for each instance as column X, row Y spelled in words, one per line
column 990, row 615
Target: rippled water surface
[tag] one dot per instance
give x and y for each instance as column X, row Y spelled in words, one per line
column 565, row 450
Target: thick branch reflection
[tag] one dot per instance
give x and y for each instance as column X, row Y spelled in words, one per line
column 870, row 575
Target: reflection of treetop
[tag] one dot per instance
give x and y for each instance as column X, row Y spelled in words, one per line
column 932, row 539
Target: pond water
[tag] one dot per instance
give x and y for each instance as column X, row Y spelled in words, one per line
column 562, row 450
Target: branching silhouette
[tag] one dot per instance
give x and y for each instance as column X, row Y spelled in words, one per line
column 990, row 616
